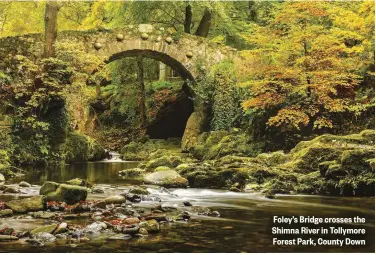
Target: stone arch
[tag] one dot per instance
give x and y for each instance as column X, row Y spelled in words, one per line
column 156, row 55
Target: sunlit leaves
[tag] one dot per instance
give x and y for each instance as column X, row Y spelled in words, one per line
column 308, row 64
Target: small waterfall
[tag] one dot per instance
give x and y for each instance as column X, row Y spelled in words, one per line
column 112, row 156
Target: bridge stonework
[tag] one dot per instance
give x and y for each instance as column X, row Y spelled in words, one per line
column 183, row 52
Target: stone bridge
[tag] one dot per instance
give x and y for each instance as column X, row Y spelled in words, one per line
column 186, row 54
column 183, row 52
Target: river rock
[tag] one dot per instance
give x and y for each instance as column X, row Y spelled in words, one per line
column 150, row 225
column 143, row 231
column 62, row 228
column 214, row 214
column 158, row 217
column 100, row 204
column 24, row 184
column 118, row 199
column 130, row 229
column 47, row 215
column 133, row 172
column 45, row 237
column 70, row 194
column 7, row 238
column 168, row 207
column 79, row 182
column 132, row 220
column 138, row 190
column 34, row 242
column 44, row 229
column 95, row 227
column 168, row 179
column 120, row 237
column 12, row 190
column 31, row 204
column 186, row 203
column 2, row 178
column 6, row 212
column 48, row 187
column 97, row 190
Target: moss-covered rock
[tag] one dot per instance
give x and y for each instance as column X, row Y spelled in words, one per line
column 168, row 161
column 168, row 179
column 70, row 194
column 79, row 182
column 217, row 144
column 326, row 165
column 48, row 187
column 31, row 204
column 44, row 229
column 138, row 190
column 132, row 173
column 162, row 168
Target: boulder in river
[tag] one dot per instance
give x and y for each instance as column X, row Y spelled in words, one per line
column 48, row 187
column 118, row 199
column 168, row 179
column 44, row 229
column 2, row 178
column 6, row 212
column 62, row 228
column 24, row 184
column 45, row 237
column 30, row 204
column 95, row 227
column 133, row 172
column 139, row 190
column 70, row 194
column 12, row 190
column 7, row 238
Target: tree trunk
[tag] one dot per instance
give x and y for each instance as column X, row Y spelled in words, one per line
column 252, row 16
column 205, row 23
column 50, row 28
column 142, row 91
column 162, row 71
column 188, row 19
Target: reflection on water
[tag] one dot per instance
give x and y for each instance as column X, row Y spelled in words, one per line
column 94, row 172
column 245, row 224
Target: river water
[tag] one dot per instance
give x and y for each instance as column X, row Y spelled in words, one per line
column 245, row 224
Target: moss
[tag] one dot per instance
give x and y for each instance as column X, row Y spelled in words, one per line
column 71, row 194
column 274, row 158
column 81, row 148
column 355, row 161
column 169, row 161
column 369, row 135
column 210, row 178
column 162, row 168
column 138, row 190
column 133, row 172
column 79, row 182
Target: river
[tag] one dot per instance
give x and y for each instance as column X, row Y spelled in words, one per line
column 245, row 224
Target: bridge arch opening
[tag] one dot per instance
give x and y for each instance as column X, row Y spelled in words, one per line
column 168, row 118
column 156, row 55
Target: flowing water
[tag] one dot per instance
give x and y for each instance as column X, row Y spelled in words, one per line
column 245, row 224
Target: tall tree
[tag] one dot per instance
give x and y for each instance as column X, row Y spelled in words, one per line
column 50, row 27
column 205, row 23
column 188, row 19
